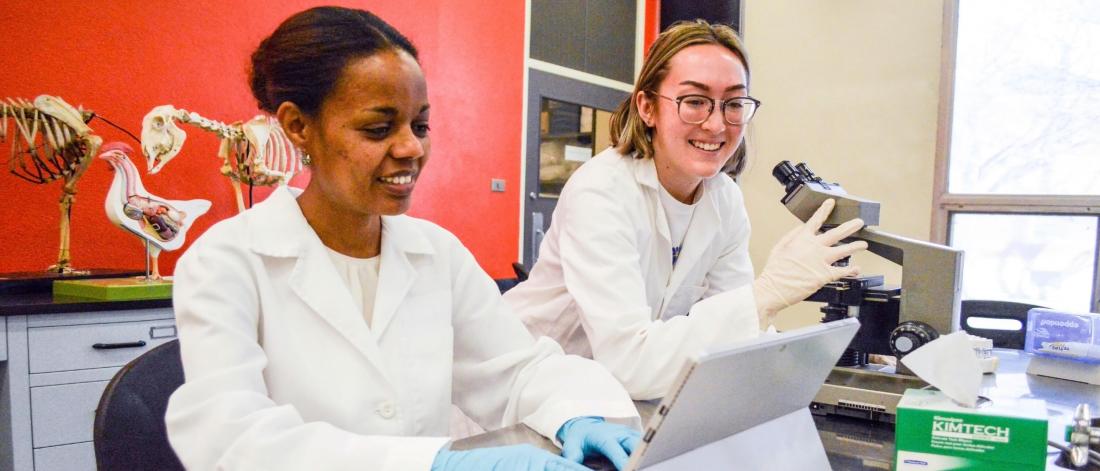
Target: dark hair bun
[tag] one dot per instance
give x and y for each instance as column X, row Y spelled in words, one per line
column 303, row 58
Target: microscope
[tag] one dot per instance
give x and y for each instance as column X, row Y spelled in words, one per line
column 893, row 320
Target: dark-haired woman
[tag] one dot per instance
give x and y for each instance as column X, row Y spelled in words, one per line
column 653, row 229
column 328, row 331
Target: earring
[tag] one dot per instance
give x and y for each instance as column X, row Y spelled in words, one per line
column 306, row 159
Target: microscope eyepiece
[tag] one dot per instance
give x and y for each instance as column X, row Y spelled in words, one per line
column 790, row 176
column 787, row 175
column 784, row 172
column 807, row 174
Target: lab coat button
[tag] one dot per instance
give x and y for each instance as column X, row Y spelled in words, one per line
column 386, row 410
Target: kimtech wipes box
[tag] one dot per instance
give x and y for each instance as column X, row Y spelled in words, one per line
column 933, row 432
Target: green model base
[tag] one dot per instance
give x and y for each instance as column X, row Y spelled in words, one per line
column 114, row 289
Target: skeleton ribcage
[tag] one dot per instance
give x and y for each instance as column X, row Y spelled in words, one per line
column 45, row 148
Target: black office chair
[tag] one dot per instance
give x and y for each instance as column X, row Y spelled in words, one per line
column 129, row 432
column 986, row 309
column 505, row 284
column 520, row 271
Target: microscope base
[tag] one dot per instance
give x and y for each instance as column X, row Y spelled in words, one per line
column 864, row 393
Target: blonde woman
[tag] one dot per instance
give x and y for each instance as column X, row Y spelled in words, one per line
column 646, row 260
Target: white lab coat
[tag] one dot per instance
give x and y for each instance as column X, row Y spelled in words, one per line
column 604, row 285
column 283, row 373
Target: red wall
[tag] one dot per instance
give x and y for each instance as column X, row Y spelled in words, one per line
column 123, row 58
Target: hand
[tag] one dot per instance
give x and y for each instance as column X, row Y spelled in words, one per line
column 509, row 458
column 583, row 437
column 887, row 360
column 801, row 263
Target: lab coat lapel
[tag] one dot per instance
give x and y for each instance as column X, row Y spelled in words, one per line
column 401, row 241
column 280, row 230
column 316, row 282
column 645, row 172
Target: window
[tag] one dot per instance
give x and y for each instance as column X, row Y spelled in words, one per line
column 1018, row 184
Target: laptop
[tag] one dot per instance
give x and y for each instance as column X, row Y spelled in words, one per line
column 764, row 384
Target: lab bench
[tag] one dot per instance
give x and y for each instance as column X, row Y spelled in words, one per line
column 56, row 358
column 854, row 444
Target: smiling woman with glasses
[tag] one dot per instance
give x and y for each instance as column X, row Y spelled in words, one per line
column 654, row 228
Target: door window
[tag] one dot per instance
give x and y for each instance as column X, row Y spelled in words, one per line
column 569, row 135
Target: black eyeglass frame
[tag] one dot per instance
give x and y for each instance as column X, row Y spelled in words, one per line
column 680, row 99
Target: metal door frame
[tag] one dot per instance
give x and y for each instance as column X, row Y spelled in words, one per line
column 541, row 84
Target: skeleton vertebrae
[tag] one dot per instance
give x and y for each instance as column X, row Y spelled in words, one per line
column 255, row 152
column 54, row 142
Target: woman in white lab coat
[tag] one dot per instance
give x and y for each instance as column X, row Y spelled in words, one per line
column 328, row 331
column 653, row 228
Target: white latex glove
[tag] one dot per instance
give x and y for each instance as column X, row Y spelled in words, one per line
column 801, row 263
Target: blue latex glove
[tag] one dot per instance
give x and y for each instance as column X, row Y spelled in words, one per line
column 583, row 437
column 503, row 458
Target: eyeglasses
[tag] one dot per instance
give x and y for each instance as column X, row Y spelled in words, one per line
column 695, row 109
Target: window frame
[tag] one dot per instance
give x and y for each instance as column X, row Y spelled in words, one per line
column 945, row 204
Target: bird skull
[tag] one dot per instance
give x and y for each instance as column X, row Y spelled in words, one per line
column 161, row 139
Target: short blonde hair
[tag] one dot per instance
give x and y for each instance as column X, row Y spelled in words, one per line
column 629, row 134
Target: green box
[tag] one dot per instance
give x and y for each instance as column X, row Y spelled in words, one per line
column 114, row 289
column 933, row 432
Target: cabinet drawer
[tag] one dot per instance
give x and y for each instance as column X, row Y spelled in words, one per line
column 65, row 413
column 77, row 347
column 75, row 457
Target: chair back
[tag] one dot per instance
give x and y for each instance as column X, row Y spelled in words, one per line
column 988, row 309
column 129, row 432
column 505, row 284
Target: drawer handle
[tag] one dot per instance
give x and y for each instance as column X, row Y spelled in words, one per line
column 162, row 332
column 110, row 346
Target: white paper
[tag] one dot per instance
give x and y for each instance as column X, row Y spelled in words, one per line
column 950, row 364
column 578, row 154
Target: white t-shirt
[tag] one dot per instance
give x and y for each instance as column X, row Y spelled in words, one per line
column 361, row 277
column 679, row 217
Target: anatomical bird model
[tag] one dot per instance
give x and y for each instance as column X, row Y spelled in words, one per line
column 54, row 142
column 255, row 152
column 161, row 222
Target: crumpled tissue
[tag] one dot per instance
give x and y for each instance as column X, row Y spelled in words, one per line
column 950, row 364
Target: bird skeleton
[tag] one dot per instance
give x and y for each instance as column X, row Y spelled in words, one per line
column 52, row 142
column 254, row 152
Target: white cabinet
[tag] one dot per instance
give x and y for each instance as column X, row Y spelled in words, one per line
column 75, row 457
column 56, row 370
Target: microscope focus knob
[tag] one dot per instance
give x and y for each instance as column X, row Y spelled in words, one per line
column 909, row 336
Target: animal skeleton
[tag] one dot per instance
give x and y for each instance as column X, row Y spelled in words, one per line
column 54, row 142
column 161, row 222
column 255, row 152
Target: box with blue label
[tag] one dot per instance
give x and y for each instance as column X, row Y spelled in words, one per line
column 933, row 432
column 1063, row 335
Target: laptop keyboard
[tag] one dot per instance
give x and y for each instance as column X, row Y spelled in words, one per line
column 599, row 463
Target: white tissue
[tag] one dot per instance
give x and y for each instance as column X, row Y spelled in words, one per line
column 950, row 364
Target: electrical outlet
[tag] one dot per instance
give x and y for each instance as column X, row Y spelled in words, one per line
column 497, row 184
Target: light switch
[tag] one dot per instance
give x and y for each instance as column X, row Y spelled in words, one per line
column 497, row 184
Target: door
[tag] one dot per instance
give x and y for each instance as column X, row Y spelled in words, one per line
column 567, row 123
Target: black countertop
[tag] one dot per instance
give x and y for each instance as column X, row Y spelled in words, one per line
column 47, row 303
column 32, row 293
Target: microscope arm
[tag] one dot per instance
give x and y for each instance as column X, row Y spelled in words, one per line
column 931, row 277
